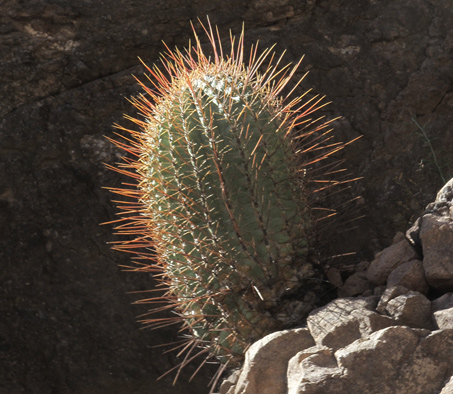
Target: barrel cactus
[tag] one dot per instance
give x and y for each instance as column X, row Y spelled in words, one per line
column 224, row 202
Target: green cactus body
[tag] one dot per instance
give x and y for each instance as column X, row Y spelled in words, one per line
column 223, row 196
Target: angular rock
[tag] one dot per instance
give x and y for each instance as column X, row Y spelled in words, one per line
column 355, row 285
column 390, row 258
column 387, row 348
column 436, row 235
column 229, row 383
column 425, row 369
column 448, row 388
column 432, row 360
column 389, row 294
column 334, row 277
column 410, row 275
column 444, row 318
column 439, row 345
column 379, row 291
column 334, row 325
column 266, row 361
column 443, row 302
column 308, row 370
column 412, row 309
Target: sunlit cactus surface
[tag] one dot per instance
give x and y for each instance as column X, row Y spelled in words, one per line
column 222, row 211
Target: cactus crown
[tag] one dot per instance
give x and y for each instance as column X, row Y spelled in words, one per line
column 223, row 211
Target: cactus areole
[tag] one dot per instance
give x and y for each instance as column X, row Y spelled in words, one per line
column 222, row 209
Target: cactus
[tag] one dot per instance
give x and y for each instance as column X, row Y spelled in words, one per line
column 224, row 204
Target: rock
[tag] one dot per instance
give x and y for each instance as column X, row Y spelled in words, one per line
column 379, row 291
column 389, row 259
column 445, row 195
column 396, row 343
column 334, row 277
column 356, row 284
column 359, row 351
column 266, row 361
column 389, row 294
column 448, row 388
column 444, row 318
column 413, row 236
column 308, row 369
column 443, row 206
column 229, row 383
column 345, row 320
column 410, row 275
column 388, row 348
column 436, row 235
column 443, row 302
column 412, row 309
column 334, row 325
column 425, row 369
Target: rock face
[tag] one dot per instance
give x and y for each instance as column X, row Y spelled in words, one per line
column 66, row 324
column 396, row 341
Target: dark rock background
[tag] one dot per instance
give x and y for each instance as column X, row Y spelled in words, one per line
column 66, row 323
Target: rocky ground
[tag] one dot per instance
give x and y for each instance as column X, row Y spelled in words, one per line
column 66, row 323
column 392, row 335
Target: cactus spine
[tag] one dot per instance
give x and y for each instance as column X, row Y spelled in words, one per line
column 223, row 197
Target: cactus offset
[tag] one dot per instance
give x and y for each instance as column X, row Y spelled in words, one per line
column 223, row 195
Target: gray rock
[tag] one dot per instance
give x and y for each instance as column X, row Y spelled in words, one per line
column 445, row 195
column 443, row 206
column 389, row 348
column 444, row 318
column 355, row 285
column 266, row 362
column 389, row 294
column 309, row 369
column 410, row 275
column 448, row 388
column 334, row 277
column 335, row 325
column 425, row 369
column 436, row 235
column 380, row 358
column 412, row 309
column 443, row 302
column 229, row 383
column 389, row 259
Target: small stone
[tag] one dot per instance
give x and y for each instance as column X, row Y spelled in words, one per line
column 410, row 275
column 412, row 309
column 334, row 277
column 424, row 371
column 379, row 291
column 439, row 345
column 266, row 362
column 443, row 302
column 386, row 349
column 399, row 236
column 389, row 294
column 362, row 266
column 228, row 384
column 436, row 236
column 444, row 318
column 355, row 285
column 334, row 325
column 311, row 367
column 387, row 260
